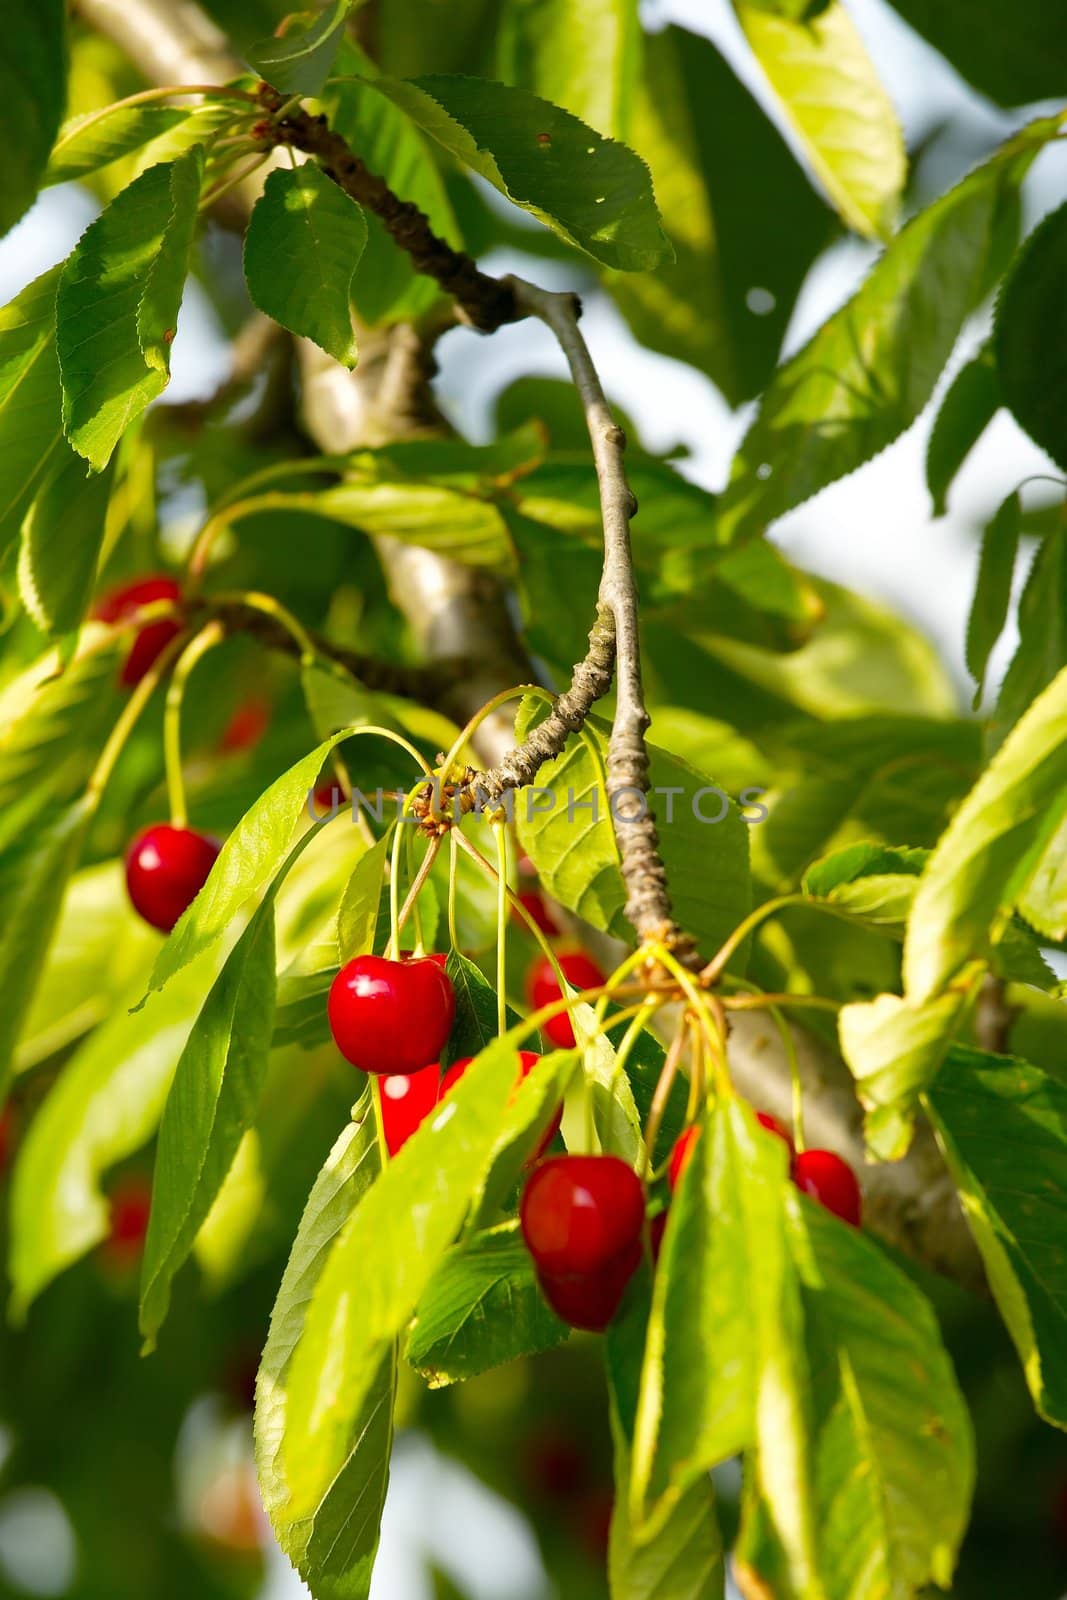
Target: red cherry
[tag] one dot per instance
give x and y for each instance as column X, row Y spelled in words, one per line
column 542, row 988
column 776, row 1126
column 391, row 1016
column 165, row 870
column 579, row 1212
column 247, row 726
column 528, row 1059
column 407, row 1099
column 683, row 1149
column 151, row 640
column 590, row 1300
column 131, row 1202
column 534, row 904
column 830, row 1181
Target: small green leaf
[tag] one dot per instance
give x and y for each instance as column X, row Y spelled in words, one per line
column 1002, row 1125
column 211, row 1105
column 105, row 1105
column 1029, row 336
column 1043, row 902
column 970, row 404
column 481, row 1308
column 300, row 61
column 590, row 190
column 334, row 1546
column 357, row 918
column 991, row 848
column 992, row 590
column 117, row 305
column 31, row 424
column 61, row 540
column 89, row 143
column 475, row 1026
column 582, row 55
column 829, row 90
column 1042, row 647
column 33, row 85
column 864, row 376
column 303, row 244
column 894, row 1050
column 34, row 871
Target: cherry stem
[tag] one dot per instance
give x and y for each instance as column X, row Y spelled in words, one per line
column 769, row 908
column 465, row 736
column 127, row 720
column 760, row 1001
column 379, row 1119
column 213, row 195
column 411, row 901
column 501, row 928
column 453, row 868
column 270, row 607
column 785, row 1033
column 464, row 844
column 661, row 1096
column 209, row 636
column 394, row 896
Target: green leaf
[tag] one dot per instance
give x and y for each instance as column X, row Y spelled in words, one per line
column 211, row 1105
column 89, row 143
column 357, row 918
column 391, row 1246
column 105, row 1105
column 565, row 827
column 1013, row 65
column 33, row 85
column 992, row 590
column 831, row 94
column 724, row 303
column 991, row 848
column 1042, row 648
column 970, row 404
column 894, row 1049
column 334, row 1546
column 61, row 540
column 890, row 1452
column 34, row 872
column 302, row 59
column 865, row 376
column 303, row 244
column 590, row 190
column 31, row 426
column 1043, row 902
column 386, row 286
column 581, row 56
column 117, row 305
column 475, row 1026
column 481, row 1308
column 1002, row 1125
column 1029, row 336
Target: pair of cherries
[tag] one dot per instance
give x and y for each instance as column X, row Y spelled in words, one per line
column 818, row 1173
column 150, row 641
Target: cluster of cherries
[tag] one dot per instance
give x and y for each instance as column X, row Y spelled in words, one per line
column 583, row 1217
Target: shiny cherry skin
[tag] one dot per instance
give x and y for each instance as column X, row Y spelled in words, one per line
column 590, row 1300
column 542, row 988
column 533, row 903
column 832, row 1182
column 528, row 1059
column 151, row 640
column 580, row 1213
column 683, row 1149
column 391, row 1017
column 407, row 1100
column 166, row 868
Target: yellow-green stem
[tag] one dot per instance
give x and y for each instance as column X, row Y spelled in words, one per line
column 209, row 636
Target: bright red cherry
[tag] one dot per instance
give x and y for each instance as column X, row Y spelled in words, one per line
column 542, row 988
column 407, row 1100
column 533, row 903
column 391, row 1016
column 246, row 727
column 579, row 1212
column 151, row 640
column 131, row 1203
column 166, row 868
column 776, row 1126
column 683, row 1149
column 590, row 1300
column 528, row 1059
column 830, row 1181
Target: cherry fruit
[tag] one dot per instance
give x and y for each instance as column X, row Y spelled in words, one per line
column 407, row 1100
column 391, row 1017
column 582, row 1219
column 683, row 1150
column 528, row 1059
column 830, row 1181
column 151, row 640
column 776, row 1126
column 542, row 988
column 247, row 725
column 131, row 1203
column 533, row 903
column 166, row 868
